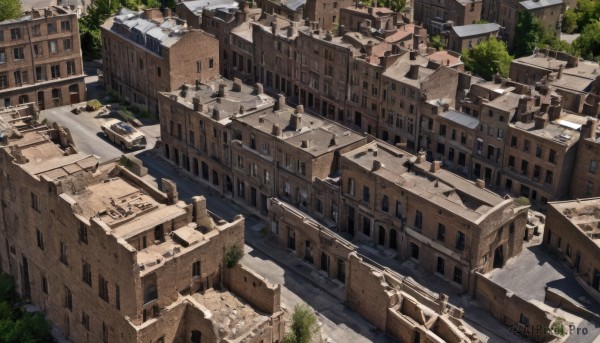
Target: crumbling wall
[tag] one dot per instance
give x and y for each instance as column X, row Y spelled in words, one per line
column 253, row 288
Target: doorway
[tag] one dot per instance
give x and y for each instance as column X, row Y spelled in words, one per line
column 74, row 94
column 499, row 257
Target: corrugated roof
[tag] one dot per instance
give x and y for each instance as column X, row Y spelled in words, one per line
column 475, row 29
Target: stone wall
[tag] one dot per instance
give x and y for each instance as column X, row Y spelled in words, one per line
column 253, row 288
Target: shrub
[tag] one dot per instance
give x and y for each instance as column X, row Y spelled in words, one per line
column 93, row 105
column 233, row 255
column 522, row 201
column 304, row 325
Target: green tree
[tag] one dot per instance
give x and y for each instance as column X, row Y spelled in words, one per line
column 436, row 42
column 304, row 325
column 587, row 11
column 394, row 5
column 588, row 43
column 11, row 9
column 569, row 22
column 487, row 58
column 233, row 255
column 527, row 34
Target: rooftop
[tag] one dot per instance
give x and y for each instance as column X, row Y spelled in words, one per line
column 40, row 13
column 564, row 131
column 537, row 4
column 377, row 11
column 461, row 119
column 584, row 214
column 441, row 187
column 238, row 98
column 197, row 6
column 312, row 134
column 445, row 57
column 475, row 29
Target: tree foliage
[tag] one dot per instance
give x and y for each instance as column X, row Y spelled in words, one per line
column 587, row 11
column 588, row 43
column 531, row 33
column 10, row 9
column 487, row 58
column 569, row 22
column 304, row 325
column 394, row 5
column 436, row 42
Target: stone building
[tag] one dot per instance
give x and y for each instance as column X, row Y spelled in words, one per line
column 576, row 81
column 506, row 13
column 447, row 224
column 287, row 153
column 438, row 16
column 379, row 18
column 292, row 10
column 572, row 234
column 196, row 127
column 585, row 179
column 325, row 13
column 468, row 36
column 40, row 59
column 110, row 258
column 149, row 52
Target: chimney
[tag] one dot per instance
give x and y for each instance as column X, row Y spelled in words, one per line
column 371, row 10
column 413, row 73
column 369, row 48
column 341, row 30
column 258, row 88
column 524, row 104
column 421, row 156
column 291, row 30
column 413, row 54
column 305, row 143
column 279, row 103
column 376, row 165
column 237, row 85
column 480, row 183
column 276, row 130
column 555, row 108
column 197, row 85
column 197, row 105
column 333, row 141
column 540, row 121
column 296, row 120
column 435, row 166
column 560, row 71
column 274, row 26
column 588, row 130
column 328, row 36
column 222, row 90
column 241, row 110
column 375, row 151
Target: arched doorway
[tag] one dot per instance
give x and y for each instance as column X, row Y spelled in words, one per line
column 74, row 94
column 499, row 257
column 40, row 100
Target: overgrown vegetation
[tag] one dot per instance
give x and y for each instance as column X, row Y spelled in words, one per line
column 522, row 201
column 394, row 5
column 487, row 59
column 436, row 42
column 11, row 9
column 233, row 255
column 16, row 325
column 531, row 33
column 304, row 325
column 93, row 105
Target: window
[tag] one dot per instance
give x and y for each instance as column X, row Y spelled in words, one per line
column 460, row 241
column 453, row 135
column 593, row 167
column 589, row 187
column 569, row 250
column 366, row 194
column 51, row 28
column 457, row 275
column 18, row 53
column 463, row 138
column 287, row 189
column 385, row 203
column 35, row 203
column 500, row 133
column 398, row 209
column 15, row 34
column 68, row 299
column 538, row 151
column 526, row 146
column 56, row 94
column 44, row 284
column 67, row 44
column 64, row 256
column 351, row 186
column 441, row 234
column 513, row 141
column 301, row 168
column 65, row 25
column 117, row 297
column 198, row 66
column 552, row 156
column 2, row 56
column 3, row 81
column 253, row 169
column 87, row 273
column 419, row 219
column 440, row 265
column 35, row 31
column 141, row 64
column 40, row 239
column 240, row 161
column 549, row 176
column 524, row 167
column 104, row 332
column 55, row 71
column 70, row 67
column 102, row 288
column 211, row 63
column 52, row 46
column 266, row 176
column 85, row 320
column 40, row 73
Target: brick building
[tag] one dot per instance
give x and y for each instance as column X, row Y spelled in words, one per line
column 585, row 180
column 468, row 36
column 572, row 234
column 110, row 258
column 292, row 10
column 447, row 224
column 196, row 127
column 40, row 59
column 147, row 52
column 506, row 13
column 283, row 152
column 438, row 16
column 325, row 12
column 379, row 18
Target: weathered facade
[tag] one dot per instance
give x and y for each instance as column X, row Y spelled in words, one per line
column 149, row 52
column 437, row 16
column 585, row 179
column 468, row 36
column 110, row 258
column 40, row 59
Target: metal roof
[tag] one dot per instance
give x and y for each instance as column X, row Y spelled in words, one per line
column 460, row 118
column 475, row 29
column 294, row 4
column 535, row 4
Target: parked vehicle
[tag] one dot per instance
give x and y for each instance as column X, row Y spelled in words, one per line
column 124, row 135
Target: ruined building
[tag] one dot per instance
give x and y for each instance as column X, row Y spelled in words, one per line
column 40, row 59
column 110, row 258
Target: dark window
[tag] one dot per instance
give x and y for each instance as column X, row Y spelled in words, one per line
column 458, row 275
column 366, row 194
column 68, row 299
column 44, row 285
column 460, row 241
column 418, row 219
column 441, row 234
column 440, row 265
column 83, row 233
column 102, row 288
column 18, row 53
column 85, row 320
column 118, row 297
column 385, row 203
column 552, row 156
column 64, row 254
column 196, row 269
column 87, row 273
column 40, row 239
